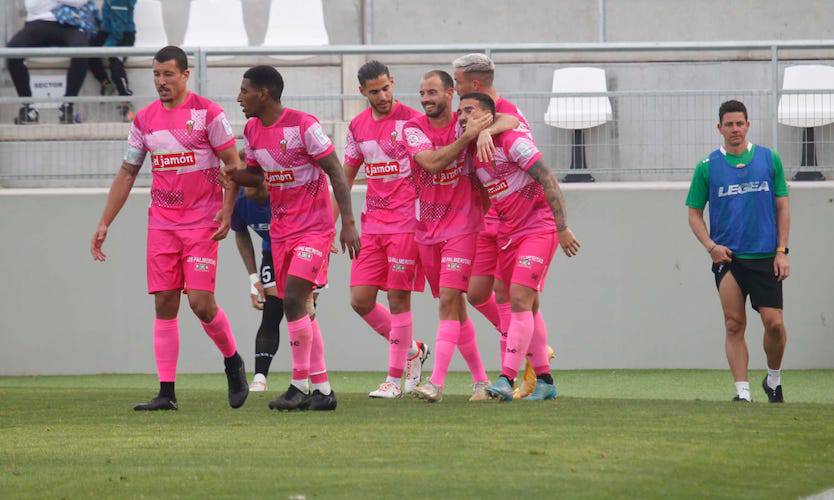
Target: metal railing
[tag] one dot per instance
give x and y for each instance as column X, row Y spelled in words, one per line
column 653, row 134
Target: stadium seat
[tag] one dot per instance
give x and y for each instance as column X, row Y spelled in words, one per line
column 150, row 31
column 578, row 113
column 296, row 23
column 216, row 23
column 807, row 110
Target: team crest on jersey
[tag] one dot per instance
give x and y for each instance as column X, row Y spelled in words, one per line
column 189, row 126
column 283, row 144
column 393, row 136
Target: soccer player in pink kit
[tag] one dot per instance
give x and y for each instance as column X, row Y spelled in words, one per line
column 187, row 136
column 533, row 222
column 292, row 150
column 449, row 215
column 389, row 259
column 476, row 73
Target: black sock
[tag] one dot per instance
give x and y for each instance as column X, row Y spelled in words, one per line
column 269, row 335
column 546, row 378
column 166, row 390
column 233, row 362
column 508, row 379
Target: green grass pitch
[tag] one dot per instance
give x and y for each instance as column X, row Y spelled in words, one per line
column 639, row 434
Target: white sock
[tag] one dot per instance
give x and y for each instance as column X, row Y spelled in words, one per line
column 259, row 377
column 393, row 380
column 743, row 390
column 301, row 385
column 414, row 350
column 323, row 387
column 774, row 378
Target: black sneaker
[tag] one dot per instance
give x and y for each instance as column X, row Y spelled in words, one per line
column 238, row 386
column 27, row 115
column 738, row 399
column 293, row 399
column 157, row 403
column 67, row 115
column 773, row 395
column 322, row 402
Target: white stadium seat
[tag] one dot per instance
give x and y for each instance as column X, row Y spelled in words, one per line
column 574, row 113
column 296, row 23
column 807, row 110
column 216, row 23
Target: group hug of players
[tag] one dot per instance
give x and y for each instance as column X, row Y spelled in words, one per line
column 460, row 199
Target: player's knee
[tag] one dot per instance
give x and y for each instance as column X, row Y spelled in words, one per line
column 204, row 310
column 734, row 327
column 294, row 307
column 448, row 303
column 773, row 325
column 477, row 296
column 522, row 299
column 362, row 305
column 399, row 301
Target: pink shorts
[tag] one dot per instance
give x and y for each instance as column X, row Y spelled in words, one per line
column 525, row 260
column 486, row 250
column 388, row 261
column 448, row 264
column 305, row 257
column 181, row 259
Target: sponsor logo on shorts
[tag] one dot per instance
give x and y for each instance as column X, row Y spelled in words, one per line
column 743, row 188
column 201, row 260
column 307, row 253
column 280, row 177
column 495, row 189
column 172, row 161
column 455, row 263
column 382, row 169
column 398, row 267
column 528, row 260
column 449, row 176
column 201, row 267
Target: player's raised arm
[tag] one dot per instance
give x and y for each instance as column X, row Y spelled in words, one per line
column 349, row 236
column 502, row 123
column 435, row 160
column 570, row 245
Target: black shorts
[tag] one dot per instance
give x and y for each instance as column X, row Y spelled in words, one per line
column 267, row 271
column 755, row 277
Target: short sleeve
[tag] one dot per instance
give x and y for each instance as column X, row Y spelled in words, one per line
column 780, row 187
column 220, row 133
column 249, row 153
column 523, row 151
column 353, row 154
column 699, row 188
column 136, row 149
column 416, row 141
column 316, row 141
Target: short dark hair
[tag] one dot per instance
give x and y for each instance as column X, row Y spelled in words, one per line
column 371, row 70
column 731, row 106
column 484, row 100
column 445, row 78
column 173, row 52
column 266, row 77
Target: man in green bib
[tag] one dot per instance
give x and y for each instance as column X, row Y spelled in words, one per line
column 747, row 241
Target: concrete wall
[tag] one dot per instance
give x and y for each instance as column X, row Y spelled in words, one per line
column 640, row 295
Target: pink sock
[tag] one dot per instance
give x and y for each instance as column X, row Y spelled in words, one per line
column 489, row 308
column 318, row 368
column 538, row 346
column 399, row 343
column 468, row 347
column 379, row 319
column 504, row 312
column 518, row 340
column 220, row 332
column 301, row 339
column 448, row 333
column 166, row 348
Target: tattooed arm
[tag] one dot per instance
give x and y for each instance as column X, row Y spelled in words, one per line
column 570, row 245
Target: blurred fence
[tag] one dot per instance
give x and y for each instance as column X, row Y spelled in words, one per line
column 649, row 134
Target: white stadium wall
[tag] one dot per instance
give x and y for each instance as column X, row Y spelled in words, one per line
column 640, row 295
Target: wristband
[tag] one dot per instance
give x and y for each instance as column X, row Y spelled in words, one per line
column 254, row 278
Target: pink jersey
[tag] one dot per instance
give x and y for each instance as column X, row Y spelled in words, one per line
column 448, row 202
column 288, row 151
column 380, row 145
column 506, row 107
column 183, row 143
column 518, row 198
